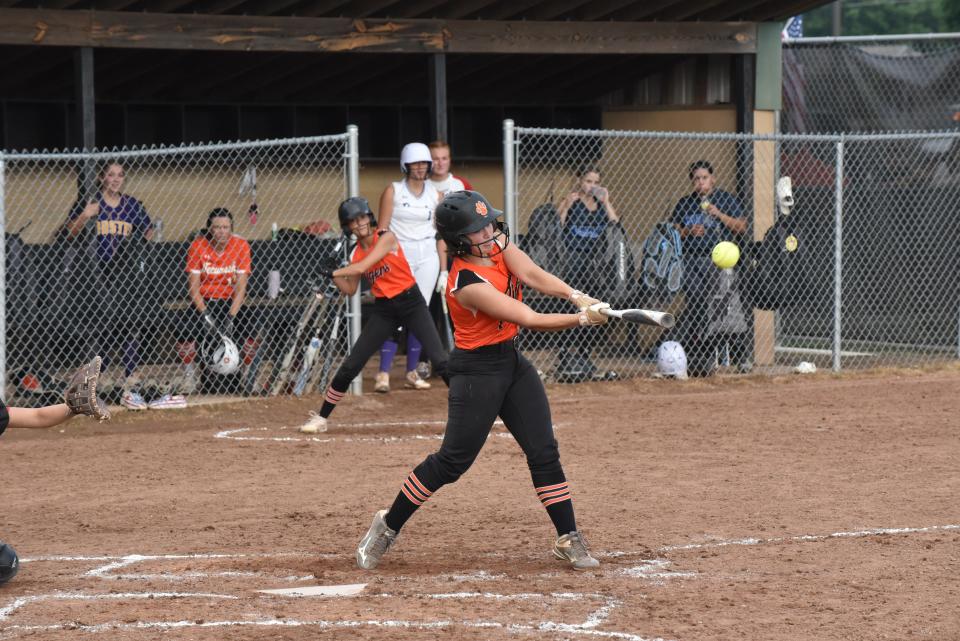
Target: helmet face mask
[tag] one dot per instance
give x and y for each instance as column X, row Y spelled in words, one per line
column 462, row 213
column 222, row 357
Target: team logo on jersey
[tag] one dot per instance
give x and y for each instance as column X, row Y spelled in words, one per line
column 481, row 208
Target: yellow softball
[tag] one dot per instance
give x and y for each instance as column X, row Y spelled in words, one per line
column 725, row 255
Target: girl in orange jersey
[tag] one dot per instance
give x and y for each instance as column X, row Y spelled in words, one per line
column 378, row 258
column 489, row 377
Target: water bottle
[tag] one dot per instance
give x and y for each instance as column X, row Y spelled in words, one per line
column 273, row 231
column 158, row 230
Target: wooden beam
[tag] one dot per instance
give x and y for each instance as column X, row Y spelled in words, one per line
column 600, row 37
column 134, row 30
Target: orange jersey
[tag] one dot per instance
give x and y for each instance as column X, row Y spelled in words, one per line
column 218, row 272
column 389, row 277
column 476, row 330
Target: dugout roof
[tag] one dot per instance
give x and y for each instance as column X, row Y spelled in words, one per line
column 532, row 53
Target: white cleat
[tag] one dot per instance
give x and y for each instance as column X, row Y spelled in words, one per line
column 413, row 381
column 314, row 424
column 376, row 542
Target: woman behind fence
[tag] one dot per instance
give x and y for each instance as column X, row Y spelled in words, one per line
column 584, row 216
column 120, row 226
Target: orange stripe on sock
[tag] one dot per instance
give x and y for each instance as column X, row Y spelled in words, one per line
column 420, row 486
column 547, row 488
column 413, row 490
column 412, row 498
column 550, row 495
column 559, row 499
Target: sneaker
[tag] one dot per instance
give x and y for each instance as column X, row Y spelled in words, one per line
column 133, row 401
column 314, row 424
column 376, row 542
column 381, row 383
column 573, row 548
column 414, row 381
column 168, row 402
column 424, row 370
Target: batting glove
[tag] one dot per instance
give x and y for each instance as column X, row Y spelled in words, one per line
column 581, row 300
column 593, row 315
column 442, row 282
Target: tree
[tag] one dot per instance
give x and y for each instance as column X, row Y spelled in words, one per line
column 885, row 17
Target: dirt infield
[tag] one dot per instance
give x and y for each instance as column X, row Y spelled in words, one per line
column 786, row 509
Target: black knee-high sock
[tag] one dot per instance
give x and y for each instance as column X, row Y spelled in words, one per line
column 331, row 398
column 412, row 495
column 556, row 499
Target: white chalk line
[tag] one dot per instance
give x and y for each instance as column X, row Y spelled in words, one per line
column 588, row 627
column 809, row 537
column 234, row 434
column 650, row 568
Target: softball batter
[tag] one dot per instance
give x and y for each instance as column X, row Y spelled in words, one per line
column 489, row 377
column 379, row 258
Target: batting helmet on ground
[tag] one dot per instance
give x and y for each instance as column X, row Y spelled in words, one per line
column 9, row 563
column 672, row 360
column 222, row 356
column 464, row 212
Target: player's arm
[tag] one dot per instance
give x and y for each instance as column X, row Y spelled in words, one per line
column 386, row 208
column 733, row 218
column 485, row 298
column 347, row 279
column 244, row 266
column 193, row 287
column 239, row 293
column 523, row 267
column 39, row 417
column 76, row 223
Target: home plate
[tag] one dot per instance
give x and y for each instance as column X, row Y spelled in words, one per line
column 320, row 590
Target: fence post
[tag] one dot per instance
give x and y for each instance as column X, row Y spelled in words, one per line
column 3, row 282
column 353, row 189
column 510, row 179
column 838, row 256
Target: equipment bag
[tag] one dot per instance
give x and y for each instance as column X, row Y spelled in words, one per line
column 663, row 259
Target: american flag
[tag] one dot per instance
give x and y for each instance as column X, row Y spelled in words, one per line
column 794, row 84
column 793, row 28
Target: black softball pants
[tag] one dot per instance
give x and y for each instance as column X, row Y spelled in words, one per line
column 484, row 383
column 407, row 309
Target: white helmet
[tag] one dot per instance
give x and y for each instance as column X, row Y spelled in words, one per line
column 672, row 360
column 223, row 357
column 415, row 152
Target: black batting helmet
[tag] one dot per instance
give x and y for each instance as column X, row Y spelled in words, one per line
column 9, row 563
column 353, row 208
column 464, row 212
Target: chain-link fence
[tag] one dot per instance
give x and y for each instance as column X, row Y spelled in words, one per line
column 871, row 84
column 97, row 250
column 861, row 273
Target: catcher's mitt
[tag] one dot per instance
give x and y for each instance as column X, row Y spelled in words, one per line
column 81, row 393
